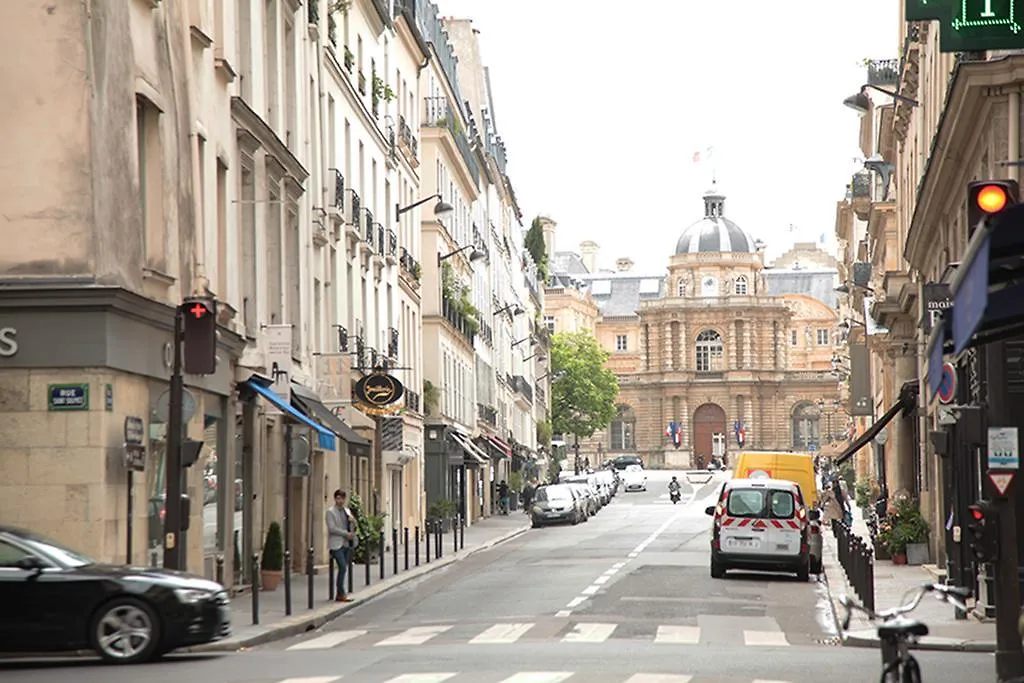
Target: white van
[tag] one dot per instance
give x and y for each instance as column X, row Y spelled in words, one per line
column 760, row 524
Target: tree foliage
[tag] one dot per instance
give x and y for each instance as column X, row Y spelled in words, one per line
column 534, row 243
column 583, row 392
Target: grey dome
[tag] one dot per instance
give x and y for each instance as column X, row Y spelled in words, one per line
column 715, row 233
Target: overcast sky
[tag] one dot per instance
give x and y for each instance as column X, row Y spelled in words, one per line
column 602, row 110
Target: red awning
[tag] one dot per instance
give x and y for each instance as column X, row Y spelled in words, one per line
column 501, row 446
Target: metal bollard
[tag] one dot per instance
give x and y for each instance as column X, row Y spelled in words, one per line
column 255, row 588
column 380, row 552
column 287, row 582
column 416, row 536
column 220, row 569
column 405, row 546
column 438, row 545
column 456, row 523
column 869, row 600
column 348, row 569
column 309, row 577
column 394, row 551
column 330, row 578
column 462, row 536
column 366, row 569
column 426, row 539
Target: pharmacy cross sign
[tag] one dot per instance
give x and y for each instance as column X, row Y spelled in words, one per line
column 198, row 311
column 979, row 25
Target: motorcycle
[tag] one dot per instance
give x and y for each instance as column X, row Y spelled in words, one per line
column 674, row 495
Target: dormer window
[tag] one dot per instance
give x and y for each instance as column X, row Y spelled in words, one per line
column 741, row 286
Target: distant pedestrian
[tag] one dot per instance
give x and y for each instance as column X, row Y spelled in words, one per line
column 503, row 496
column 341, row 539
column 528, row 491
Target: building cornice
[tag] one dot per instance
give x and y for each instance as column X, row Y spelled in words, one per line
column 248, row 119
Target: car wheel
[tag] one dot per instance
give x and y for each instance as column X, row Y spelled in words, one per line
column 717, row 570
column 125, row 631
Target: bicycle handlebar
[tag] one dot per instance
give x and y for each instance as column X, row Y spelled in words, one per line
column 955, row 595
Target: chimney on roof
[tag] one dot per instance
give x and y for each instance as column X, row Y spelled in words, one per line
column 588, row 254
column 624, row 265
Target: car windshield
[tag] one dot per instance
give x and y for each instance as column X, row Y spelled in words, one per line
column 60, row 555
column 782, row 505
column 745, row 503
column 554, row 493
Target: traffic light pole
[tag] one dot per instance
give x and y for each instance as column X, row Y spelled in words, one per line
column 173, row 555
column 1009, row 655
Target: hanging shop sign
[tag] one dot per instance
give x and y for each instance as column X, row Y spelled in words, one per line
column 378, row 390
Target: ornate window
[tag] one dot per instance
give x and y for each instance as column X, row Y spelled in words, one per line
column 806, row 434
column 623, row 429
column 741, row 286
column 709, row 351
column 681, row 287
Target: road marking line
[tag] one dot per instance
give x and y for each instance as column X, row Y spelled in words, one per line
column 590, row 590
column 576, row 602
column 312, row 679
column 633, row 554
column 538, row 677
column 501, row 633
column 686, row 635
column 590, row 633
column 601, row 580
column 769, row 638
column 326, row 641
column 421, row 678
column 618, row 565
column 563, row 613
column 765, row 680
column 417, row 635
column 659, row 678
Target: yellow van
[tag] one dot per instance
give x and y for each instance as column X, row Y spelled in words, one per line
column 795, row 467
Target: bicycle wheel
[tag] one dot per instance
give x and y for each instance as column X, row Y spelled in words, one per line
column 911, row 672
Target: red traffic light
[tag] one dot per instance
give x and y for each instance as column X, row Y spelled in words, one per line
column 977, row 514
column 992, row 198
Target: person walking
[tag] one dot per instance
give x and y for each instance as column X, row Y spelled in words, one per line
column 503, row 496
column 341, row 539
column 528, row 491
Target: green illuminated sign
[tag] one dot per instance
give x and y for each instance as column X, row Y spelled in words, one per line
column 978, row 25
column 925, row 10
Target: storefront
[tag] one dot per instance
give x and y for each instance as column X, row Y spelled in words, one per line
column 454, row 471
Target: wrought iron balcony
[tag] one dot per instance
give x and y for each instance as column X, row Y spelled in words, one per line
column 350, row 60
column 368, row 227
column 342, row 339
column 486, row 333
column 381, row 244
column 410, row 265
column 457, row 320
column 362, row 83
column 360, row 352
column 392, row 243
column 437, row 113
column 541, row 394
column 522, row 387
column 374, row 358
column 407, row 137
column 883, row 72
column 393, row 343
column 487, row 414
column 356, row 207
column 339, row 189
column 861, row 185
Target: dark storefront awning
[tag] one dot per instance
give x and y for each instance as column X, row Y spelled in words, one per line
column 939, row 344
column 906, row 403
column 325, row 438
column 471, row 454
column 988, row 287
column 494, row 446
column 310, row 403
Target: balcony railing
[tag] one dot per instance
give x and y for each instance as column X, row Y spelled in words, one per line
column 486, row 333
column 521, row 386
column 393, row 343
column 381, row 244
column 407, row 137
column 457, row 320
column 356, row 208
column 861, row 185
column 541, row 394
column 410, row 265
column 339, row 190
column 883, row 72
column 437, row 113
column 362, row 83
column 487, row 414
column 369, row 227
column 392, row 243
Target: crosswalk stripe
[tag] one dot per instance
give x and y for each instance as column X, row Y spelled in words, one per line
column 417, row 635
column 769, row 638
column 765, row 680
column 326, row 641
column 538, row 677
column 501, row 633
column 589, row 633
column 658, row 678
column 312, row 679
column 688, row 635
column 421, row 678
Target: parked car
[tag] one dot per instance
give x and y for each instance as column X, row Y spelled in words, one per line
column 634, row 479
column 556, row 503
column 760, row 524
column 590, row 502
column 58, row 600
column 623, row 462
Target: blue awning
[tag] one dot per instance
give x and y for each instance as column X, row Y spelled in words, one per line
column 325, row 439
column 938, row 341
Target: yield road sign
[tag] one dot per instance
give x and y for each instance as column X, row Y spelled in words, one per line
column 1001, row 481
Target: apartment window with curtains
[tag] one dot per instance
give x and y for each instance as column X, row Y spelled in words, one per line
column 151, row 180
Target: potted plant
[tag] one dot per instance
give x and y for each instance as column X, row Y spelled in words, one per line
column 272, row 562
column 442, row 511
column 904, row 531
column 368, row 528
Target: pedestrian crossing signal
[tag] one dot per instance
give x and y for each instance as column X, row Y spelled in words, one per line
column 983, row 534
column 987, row 198
column 199, row 336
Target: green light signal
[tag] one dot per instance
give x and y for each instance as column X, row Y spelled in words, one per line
column 979, row 25
column 926, row 10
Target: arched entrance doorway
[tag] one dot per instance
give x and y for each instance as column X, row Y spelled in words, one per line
column 708, row 420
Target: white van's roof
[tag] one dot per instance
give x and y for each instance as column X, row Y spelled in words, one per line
column 761, row 483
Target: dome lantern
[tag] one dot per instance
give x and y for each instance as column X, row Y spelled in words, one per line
column 715, row 233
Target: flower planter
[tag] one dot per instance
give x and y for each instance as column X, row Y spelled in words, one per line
column 899, row 558
column 269, row 580
column 917, row 554
column 882, row 551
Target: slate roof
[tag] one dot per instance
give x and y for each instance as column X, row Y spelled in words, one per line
column 819, row 283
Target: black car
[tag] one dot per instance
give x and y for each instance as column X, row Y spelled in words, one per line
column 57, row 600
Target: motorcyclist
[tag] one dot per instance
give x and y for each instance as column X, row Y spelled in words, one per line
column 673, row 487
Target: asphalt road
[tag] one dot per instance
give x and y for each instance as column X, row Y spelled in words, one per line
column 626, row 596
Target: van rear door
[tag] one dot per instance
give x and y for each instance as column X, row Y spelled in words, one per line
column 785, row 528
column 740, row 531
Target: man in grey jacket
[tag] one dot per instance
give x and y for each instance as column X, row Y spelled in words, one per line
column 341, row 535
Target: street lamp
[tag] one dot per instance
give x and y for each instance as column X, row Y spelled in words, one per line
column 514, row 308
column 524, row 339
column 538, row 355
column 474, row 256
column 441, row 210
column 861, row 104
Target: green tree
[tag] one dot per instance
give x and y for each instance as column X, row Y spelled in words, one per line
column 583, row 392
column 534, row 242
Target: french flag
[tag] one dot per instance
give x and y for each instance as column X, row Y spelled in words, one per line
column 675, row 432
column 741, row 433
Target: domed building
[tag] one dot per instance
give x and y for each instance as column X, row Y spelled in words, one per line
column 712, row 358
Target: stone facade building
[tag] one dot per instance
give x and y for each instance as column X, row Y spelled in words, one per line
column 710, row 349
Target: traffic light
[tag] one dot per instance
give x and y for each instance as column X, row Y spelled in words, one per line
column 200, row 336
column 988, row 198
column 983, row 531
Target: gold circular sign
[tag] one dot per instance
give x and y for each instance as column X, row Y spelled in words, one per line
column 379, row 390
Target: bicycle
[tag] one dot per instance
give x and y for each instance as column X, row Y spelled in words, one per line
column 896, row 633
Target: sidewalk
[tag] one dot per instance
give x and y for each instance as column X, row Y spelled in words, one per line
column 892, row 582
column 274, row 624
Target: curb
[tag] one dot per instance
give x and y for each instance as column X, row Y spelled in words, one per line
column 296, row 625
